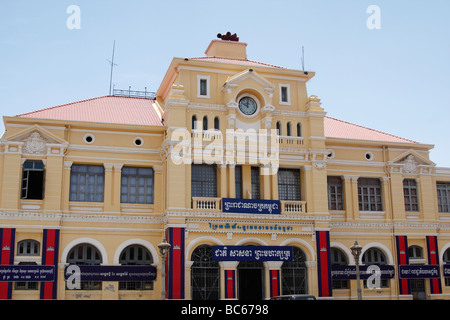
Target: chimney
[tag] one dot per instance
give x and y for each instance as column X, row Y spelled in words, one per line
column 228, row 47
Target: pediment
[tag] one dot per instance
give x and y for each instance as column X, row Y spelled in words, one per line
column 410, row 162
column 35, row 140
column 235, row 80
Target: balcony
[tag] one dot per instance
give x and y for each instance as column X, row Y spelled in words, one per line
column 206, row 204
column 290, row 140
column 293, row 207
column 215, row 205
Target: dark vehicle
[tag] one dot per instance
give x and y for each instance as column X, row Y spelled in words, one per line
column 294, row 297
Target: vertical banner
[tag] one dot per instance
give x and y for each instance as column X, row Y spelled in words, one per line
column 175, row 264
column 50, row 250
column 274, row 283
column 433, row 259
column 324, row 263
column 403, row 259
column 7, row 240
column 230, row 284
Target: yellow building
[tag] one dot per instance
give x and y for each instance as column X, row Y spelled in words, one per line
column 249, row 213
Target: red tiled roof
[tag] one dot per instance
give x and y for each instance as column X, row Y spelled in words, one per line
column 107, row 109
column 245, row 62
column 335, row 128
column 139, row 111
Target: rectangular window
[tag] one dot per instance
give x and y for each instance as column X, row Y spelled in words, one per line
column 255, row 183
column 203, row 180
column 203, row 87
column 32, row 180
column 137, row 185
column 289, row 184
column 238, row 181
column 335, row 193
column 369, row 195
column 410, row 195
column 87, row 183
column 443, row 195
column 284, row 94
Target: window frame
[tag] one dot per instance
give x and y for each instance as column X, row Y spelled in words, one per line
column 136, row 186
column 287, row 88
column 335, row 193
column 255, row 182
column 410, row 195
column 74, row 195
column 443, row 196
column 207, row 81
column 365, row 201
column 289, row 189
column 207, row 187
column 33, row 173
column 131, row 253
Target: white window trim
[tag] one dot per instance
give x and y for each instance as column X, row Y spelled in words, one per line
column 208, row 87
column 288, row 89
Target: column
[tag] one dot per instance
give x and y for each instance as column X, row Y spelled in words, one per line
column 108, row 187
column 66, row 186
column 223, row 180
column 386, row 198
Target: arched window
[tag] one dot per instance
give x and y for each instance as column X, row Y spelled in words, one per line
column 205, row 275
column 374, row 256
column 294, row 274
column 279, row 128
column 446, row 260
column 216, row 123
column 288, row 129
column 86, row 254
column 299, row 129
column 205, row 123
column 136, row 255
column 338, row 258
column 28, row 247
column 194, row 122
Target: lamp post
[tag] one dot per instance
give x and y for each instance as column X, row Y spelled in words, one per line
column 356, row 252
column 164, row 248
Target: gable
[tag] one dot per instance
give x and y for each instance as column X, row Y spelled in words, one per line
column 35, row 140
column 410, row 162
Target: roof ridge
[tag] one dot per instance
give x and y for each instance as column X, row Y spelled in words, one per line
column 236, row 59
column 374, row 130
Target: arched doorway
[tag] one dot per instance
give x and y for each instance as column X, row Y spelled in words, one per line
column 205, row 275
column 294, row 273
column 251, row 280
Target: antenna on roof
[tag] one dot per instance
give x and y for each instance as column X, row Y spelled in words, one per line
column 303, row 58
column 112, row 67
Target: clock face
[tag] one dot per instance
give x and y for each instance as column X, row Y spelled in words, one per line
column 247, row 106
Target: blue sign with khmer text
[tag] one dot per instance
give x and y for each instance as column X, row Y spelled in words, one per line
column 251, row 206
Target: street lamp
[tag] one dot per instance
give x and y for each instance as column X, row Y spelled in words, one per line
column 163, row 250
column 356, row 252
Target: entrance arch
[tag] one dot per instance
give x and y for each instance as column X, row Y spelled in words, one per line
column 294, row 273
column 251, row 280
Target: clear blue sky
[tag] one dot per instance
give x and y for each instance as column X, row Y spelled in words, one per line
column 396, row 79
